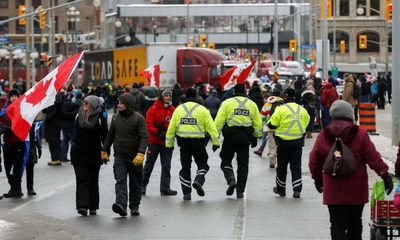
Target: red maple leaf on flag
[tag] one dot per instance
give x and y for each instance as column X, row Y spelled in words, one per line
column 39, row 93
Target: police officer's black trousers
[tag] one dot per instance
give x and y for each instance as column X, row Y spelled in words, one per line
column 13, row 161
column 236, row 143
column 153, row 150
column 192, row 147
column 289, row 152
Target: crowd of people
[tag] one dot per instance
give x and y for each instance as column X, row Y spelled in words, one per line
column 146, row 122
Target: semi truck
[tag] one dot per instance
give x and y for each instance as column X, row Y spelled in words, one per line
column 178, row 64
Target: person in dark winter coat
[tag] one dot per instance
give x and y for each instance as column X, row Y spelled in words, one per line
column 346, row 196
column 52, row 129
column 128, row 133
column 66, row 111
column 328, row 96
column 176, row 94
column 35, row 152
column 139, row 100
column 90, row 133
column 212, row 103
column 256, row 96
column 13, row 150
column 157, row 121
column 150, row 97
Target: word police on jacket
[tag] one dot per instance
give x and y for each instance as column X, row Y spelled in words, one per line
column 243, row 112
column 189, row 121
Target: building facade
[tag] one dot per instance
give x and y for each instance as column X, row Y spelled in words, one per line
column 352, row 19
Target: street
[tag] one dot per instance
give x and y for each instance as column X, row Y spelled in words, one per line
column 260, row 215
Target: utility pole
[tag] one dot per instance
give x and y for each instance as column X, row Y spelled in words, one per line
column 10, row 67
column 52, row 45
column 395, row 74
column 276, row 41
column 325, row 53
column 28, row 7
column 334, row 31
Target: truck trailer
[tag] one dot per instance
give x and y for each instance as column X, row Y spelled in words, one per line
column 178, row 64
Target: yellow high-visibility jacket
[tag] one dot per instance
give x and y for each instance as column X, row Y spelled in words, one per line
column 291, row 121
column 239, row 111
column 191, row 120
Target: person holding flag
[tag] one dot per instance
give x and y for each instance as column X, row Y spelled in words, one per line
column 13, row 150
column 240, row 122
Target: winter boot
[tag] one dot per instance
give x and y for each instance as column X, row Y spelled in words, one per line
column 259, row 152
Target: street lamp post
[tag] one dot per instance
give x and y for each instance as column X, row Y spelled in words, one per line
column 155, row 32
column 73, row 19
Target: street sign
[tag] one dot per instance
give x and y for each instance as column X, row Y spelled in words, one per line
column 303, row 46
column 276, row 65
column 4, row 39
column 19, row 45
column 335, row 72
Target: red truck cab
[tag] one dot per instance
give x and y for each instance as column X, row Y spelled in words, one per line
column 197, row 66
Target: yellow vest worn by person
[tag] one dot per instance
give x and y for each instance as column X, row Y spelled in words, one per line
column 241, row 112
column 291, row 121
column 191, row 120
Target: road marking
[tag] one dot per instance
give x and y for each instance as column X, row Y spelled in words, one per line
column 45, row 196
column 240, row 220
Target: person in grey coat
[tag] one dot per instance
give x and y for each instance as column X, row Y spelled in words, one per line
column 129, row 134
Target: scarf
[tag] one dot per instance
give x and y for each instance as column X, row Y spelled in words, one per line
column 88, row 119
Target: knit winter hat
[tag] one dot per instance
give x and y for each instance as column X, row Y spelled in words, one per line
column 166, row 92
column 191, row 93
column 341, row 109
column 93, row 100
column 13, row 92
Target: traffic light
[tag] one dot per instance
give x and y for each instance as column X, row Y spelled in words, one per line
column 42, row 18
column 342, row 46
column 203, row 40
column 21, row 11
column 292, row 45
column 329, row 7
column 362, row 42
column 389, row 10
column 211, row 45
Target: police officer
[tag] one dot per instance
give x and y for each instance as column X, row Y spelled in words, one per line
column 290, row 121
column 189, row 123
column 241, row 124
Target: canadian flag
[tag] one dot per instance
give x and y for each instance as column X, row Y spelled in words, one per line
column 236, row 74
column 152, row 74
column 23, row 111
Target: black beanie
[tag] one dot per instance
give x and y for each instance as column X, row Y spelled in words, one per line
column 239, row 89
column 191, row 93
column 289, row 93
column 13, row 92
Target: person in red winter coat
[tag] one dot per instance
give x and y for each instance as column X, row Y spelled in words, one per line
column 328, row 96
column 157, row 121
column 346, row 196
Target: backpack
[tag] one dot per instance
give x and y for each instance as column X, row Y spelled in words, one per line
column 340, row 161
column 356, row 91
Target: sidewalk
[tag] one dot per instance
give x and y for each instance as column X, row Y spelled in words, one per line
column 383, row 141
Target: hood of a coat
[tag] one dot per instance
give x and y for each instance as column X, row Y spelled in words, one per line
column 343, row 128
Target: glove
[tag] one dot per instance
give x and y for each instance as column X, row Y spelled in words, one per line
column 104, row 157
column 253, row 142
column 215, row 147
column 388, row 182
column 318, row 185
column 138, row 159
column 39, row 152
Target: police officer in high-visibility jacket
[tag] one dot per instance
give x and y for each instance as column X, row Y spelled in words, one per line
column 290, row 121
column 189, row 123
column 241, row 125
